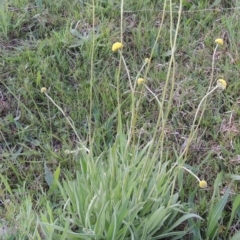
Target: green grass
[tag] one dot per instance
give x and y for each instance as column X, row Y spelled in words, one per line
column 132, row 184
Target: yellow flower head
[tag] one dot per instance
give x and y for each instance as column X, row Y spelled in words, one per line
column 221, row 83
column 140, row 81
column 202, row 184
column 147, row 60
column 116, row 46
column 219, row 41
column 43, row 90
column 66, row 151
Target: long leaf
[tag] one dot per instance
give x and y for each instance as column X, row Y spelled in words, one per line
column 236, row 204
column 179, row 235
column 184, row 218
column 234, row 177
column 215, row 215
column 48, row 175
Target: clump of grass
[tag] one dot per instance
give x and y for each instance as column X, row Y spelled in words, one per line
column 119, row 195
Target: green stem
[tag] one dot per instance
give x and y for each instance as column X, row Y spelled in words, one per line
column 70, row 122
column 193, row 128
column 91, row 77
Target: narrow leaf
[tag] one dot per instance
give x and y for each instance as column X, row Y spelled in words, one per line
column 235, row 177
column 38, row 79
column 182, row 219
column 57, row 173
column 48, row 175
column 236, row 204
column 216, row 214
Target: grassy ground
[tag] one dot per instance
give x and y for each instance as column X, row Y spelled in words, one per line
column 130, row 185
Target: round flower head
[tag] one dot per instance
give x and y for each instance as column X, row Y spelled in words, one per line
column 66, row 151
column 147, row 60
column 116, row 46
column 219, row 41
column 43, row 90
column 221, row 83
column 140, row 81
column 202, row 184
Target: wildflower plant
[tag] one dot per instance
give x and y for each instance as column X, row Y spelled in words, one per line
column 129, row 186
column 136, row 169
column 127, row 174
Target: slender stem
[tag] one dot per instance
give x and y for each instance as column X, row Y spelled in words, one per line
column 128, row 73
column 133, row 109
column 212, row 72
column 155, row 96
column 91, row 77
column 118, row 73
column 191, row 173
column 160, row 116
column 192, row 132
column 131, row 130
column 165, row 115
column 193, row 128
column 69, row 120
